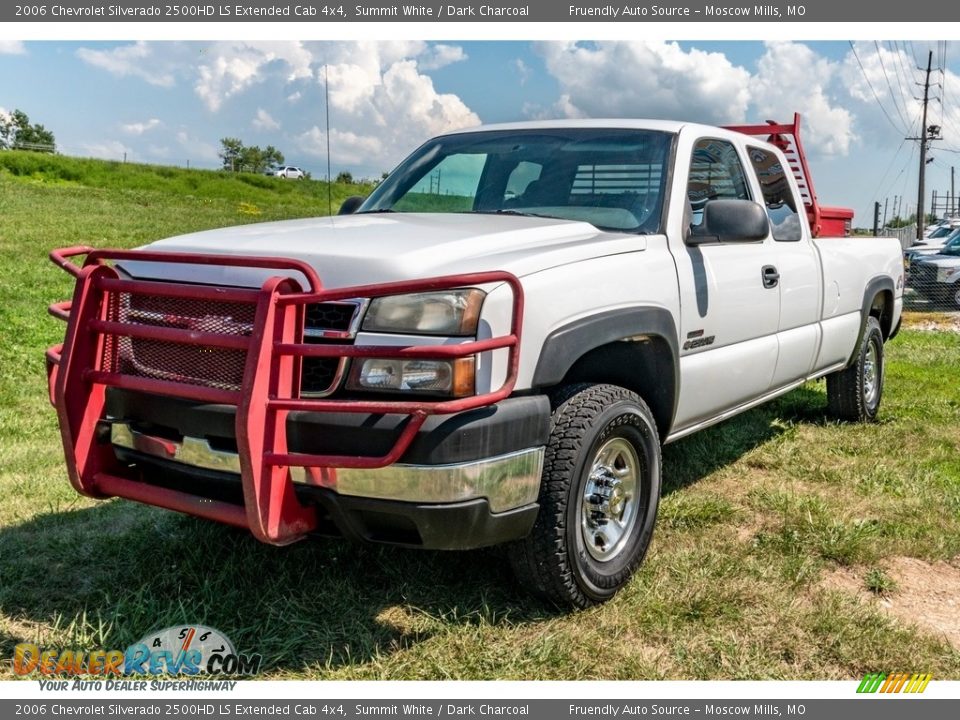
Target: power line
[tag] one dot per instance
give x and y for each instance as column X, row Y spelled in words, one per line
column 901, row 75
column 870, row 85
column 889, row 86
column 906, row 179
column 876, row 193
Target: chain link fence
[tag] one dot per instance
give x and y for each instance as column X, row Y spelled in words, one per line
column 932, row 269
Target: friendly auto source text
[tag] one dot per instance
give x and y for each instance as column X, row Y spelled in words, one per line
column 630, row 10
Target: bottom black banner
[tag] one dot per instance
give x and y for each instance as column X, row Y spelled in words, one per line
column 874, row 707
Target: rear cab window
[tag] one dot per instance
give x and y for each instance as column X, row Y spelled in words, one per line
column 778, row 196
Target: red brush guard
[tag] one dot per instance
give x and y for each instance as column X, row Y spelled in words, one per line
column 235, row 346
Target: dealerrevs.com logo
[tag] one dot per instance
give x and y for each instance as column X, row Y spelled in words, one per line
column 178, row 650
column 909, row 683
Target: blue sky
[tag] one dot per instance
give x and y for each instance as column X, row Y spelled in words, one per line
column 166, row 102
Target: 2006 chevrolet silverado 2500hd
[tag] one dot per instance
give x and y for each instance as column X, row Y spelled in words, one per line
column 491, row 348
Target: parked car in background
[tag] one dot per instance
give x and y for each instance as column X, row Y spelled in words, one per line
column 289, row 172
column 942, row 228
column 929, row 246
column 937, row 277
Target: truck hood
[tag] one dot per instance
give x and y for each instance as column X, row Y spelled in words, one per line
column 373, row 248
column 940, row 260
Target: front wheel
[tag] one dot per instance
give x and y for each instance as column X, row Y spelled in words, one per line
column 598, row 497
column 854, row 393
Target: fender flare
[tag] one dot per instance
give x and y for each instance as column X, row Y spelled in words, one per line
column 875, row 286
column 567, row 344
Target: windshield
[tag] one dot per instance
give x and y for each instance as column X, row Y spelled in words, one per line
column 952, row 247
column 612, row 178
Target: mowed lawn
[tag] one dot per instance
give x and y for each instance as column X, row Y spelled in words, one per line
column 760, row 517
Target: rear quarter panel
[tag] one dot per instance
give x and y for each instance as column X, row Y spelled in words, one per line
column 849, row 265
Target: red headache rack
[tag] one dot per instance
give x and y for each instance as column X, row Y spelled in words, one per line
column 824, row 221
column 253, row 363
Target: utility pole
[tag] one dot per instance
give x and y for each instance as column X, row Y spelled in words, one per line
column 885, row 201
column 951, row 212
column 876, row 218
column 923, row 149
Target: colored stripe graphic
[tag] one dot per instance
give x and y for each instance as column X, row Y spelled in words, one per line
column 913, row 683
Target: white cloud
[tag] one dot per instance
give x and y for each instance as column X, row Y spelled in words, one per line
column 346, row 148
column 439, row 55
column 523, row 70
column 139, row 128
column 107, row 150
column 778, row 90
column 139, row 59
column 229, row 68
column 161, row 152
column 646, row 80
column 381, row 106
column 264, row 121
column 662, row 80
column 294, row 96
column 886, row 74
column 196, row 149
column 12, row 47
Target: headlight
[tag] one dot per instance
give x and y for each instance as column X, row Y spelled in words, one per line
column 453, row 378
column 451, row 312
column 944, row 274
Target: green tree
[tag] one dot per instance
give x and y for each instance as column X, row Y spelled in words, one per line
column 238, row 157
column 272, row 157
column 345, row 177
column 231, row 151
column 17, row 132
column 251, row 160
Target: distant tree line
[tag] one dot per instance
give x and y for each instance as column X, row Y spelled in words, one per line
column 238, row 157
column 18, row 133
column 899, row 222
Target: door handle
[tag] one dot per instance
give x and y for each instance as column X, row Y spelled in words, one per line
column 770, row 276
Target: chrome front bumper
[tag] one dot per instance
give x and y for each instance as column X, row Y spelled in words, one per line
column 506, row 481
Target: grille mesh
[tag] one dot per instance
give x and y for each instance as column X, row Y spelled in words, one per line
column 330, row 315
column 162, row 360
column 199, row 365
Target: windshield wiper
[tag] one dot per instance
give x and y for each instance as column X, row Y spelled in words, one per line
column 373, row 212
column 518, row 213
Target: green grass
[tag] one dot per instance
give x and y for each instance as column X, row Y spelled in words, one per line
column 756, row 511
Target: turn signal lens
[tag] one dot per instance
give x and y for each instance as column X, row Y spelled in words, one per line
column 454, row 378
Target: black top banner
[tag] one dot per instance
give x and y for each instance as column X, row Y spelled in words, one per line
column 934, row 11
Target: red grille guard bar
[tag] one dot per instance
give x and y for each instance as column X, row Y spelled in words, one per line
column 270, row 387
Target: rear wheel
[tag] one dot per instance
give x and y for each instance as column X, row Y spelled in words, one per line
column 854, row 393
column 598, row 497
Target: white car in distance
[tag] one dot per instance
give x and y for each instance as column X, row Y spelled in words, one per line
column 289, row 172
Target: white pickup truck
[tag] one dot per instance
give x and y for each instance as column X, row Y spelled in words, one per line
column 490, row 348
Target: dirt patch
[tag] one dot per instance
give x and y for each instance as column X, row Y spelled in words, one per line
column 949, row 321
column 926, row 594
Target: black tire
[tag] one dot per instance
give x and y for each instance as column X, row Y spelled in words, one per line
column 855, row 392
column 591, row 423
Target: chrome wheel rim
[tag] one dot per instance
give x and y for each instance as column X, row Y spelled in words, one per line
column 609, row 502
column 871, row 376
